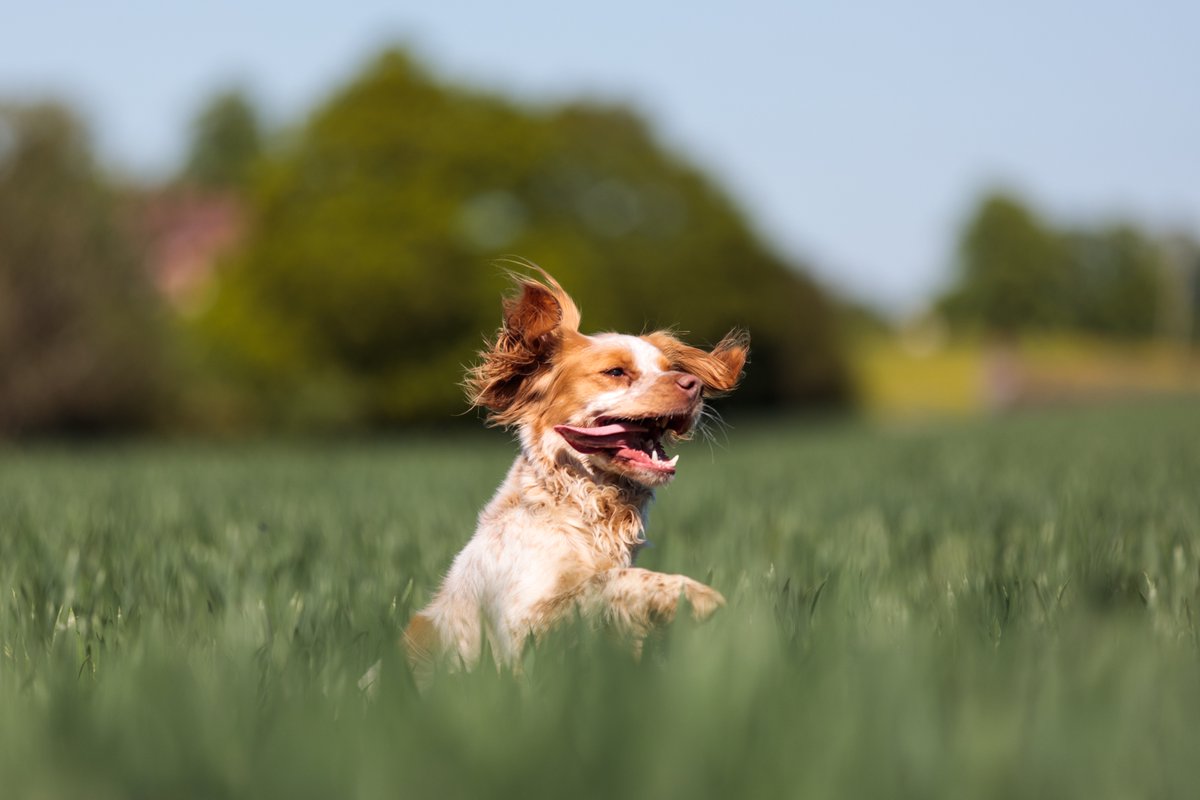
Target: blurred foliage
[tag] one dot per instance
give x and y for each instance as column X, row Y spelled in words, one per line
column 1016, row 272
column 368, row 276
column 1119, row 279
column 369, row 243
column 226, row 142
column 79, row 332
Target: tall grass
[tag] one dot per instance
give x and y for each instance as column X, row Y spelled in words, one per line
column 982, row 609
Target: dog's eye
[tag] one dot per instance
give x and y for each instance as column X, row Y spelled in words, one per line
column 616, row 372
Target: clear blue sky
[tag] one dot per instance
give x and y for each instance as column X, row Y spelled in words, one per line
column 855, row 135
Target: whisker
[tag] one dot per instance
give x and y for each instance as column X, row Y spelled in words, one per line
column 710, row 425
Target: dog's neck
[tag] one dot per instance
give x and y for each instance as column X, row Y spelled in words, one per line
column 612, row 509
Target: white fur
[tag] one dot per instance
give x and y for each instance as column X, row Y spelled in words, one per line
column 646, row 359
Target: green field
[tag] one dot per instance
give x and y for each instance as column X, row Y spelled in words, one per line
column 979, row 609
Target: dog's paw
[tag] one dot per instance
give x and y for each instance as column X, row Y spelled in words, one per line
column 704, row 600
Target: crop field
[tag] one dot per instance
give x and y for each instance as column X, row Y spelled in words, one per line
column 992, row 608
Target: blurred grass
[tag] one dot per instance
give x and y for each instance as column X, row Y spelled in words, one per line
column 975, row 609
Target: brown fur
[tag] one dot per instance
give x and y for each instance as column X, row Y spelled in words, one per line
column 720, row 370
column 535, row 322
column 421, row 646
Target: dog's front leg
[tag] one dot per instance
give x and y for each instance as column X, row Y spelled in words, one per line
column 635, row 600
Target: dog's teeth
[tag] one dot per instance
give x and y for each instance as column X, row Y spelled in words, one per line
column 673, row 460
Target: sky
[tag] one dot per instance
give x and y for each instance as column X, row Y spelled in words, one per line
column 856, row 136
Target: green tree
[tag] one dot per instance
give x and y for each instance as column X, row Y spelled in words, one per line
column 1017, row 272
column 226, row 142
column 1014, row 271
column 79, row 337
column 1119, row 281
column 367, row 280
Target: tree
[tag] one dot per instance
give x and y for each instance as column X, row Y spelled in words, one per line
column 1013, row 270
column 366, row 282
column 1119, row 281
column 1017, row 272
column 79, row 338
column 226, row 143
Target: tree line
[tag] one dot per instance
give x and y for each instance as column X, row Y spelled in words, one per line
column 339, row 272
column 1016, row 271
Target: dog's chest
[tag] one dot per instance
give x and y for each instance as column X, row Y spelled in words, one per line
column 532, row 552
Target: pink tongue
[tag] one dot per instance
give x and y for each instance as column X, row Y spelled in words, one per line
column 605, row 437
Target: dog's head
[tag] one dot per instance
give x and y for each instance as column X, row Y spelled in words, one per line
column 608, row 401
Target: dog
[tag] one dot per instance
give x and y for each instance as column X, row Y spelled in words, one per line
column 593, row 415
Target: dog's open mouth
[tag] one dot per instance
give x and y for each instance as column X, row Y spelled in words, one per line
column 638, row 442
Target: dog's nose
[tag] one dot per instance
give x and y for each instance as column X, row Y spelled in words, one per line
column 690, row 385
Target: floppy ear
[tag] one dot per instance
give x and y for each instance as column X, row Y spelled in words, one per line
column 535, row 320
column 534, row 317
column 719, row 370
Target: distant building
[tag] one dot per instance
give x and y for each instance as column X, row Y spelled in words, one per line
column 185, row 231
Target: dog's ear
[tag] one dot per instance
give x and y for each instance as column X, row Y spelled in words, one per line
column 539, row 313
column 719, row 370
column 536, row 318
